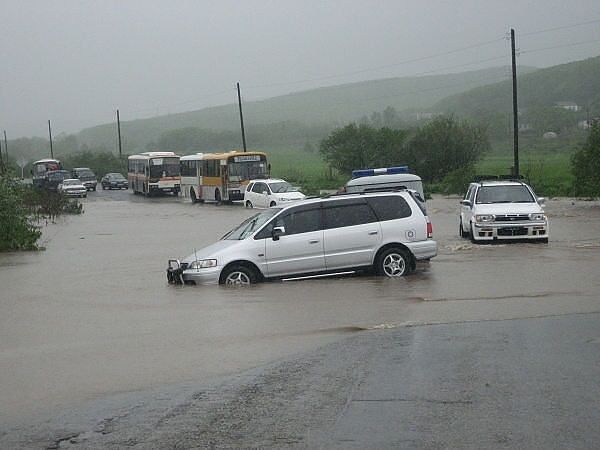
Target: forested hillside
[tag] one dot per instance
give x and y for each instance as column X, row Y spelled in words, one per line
column 325, row 107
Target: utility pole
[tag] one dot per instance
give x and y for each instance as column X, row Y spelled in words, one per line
column 241, row 116
column 119, row 134
column 50, row 134
column 2, row 168
column 6, row 147
column 515, row 108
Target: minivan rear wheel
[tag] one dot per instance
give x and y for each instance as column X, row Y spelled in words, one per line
column 393, row 262
column 238, row 275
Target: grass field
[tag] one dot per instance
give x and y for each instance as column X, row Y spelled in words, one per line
column 546, row 164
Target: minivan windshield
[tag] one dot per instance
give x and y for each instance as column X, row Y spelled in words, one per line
column 504, row 194
column 251, row 224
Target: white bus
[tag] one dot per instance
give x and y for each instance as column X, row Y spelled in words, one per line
column 365, row 180
column 221, row 177
column 40, row 168
column 154, row 172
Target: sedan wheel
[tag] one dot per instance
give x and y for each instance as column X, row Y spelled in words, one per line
column 249, row 204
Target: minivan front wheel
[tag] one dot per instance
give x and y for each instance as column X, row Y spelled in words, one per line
column 237, row 275
column 393, row 262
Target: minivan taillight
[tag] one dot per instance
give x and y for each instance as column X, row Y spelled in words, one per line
column 429, row 229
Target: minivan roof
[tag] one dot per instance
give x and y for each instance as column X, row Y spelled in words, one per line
column 384, row 178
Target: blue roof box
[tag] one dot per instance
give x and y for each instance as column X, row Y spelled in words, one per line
column 381, row 171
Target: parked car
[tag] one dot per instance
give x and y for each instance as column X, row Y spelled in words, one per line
column 87, row 177
column 387, row 232
column 54, row 178
column 366, row 180
column 114, row 181
column 498, row 209
column 72, row 187
column 270, row 192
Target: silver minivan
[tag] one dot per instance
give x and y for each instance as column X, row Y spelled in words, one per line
column 387, row 232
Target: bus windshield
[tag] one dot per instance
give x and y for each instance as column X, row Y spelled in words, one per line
column 248, row 170
column 168, row 166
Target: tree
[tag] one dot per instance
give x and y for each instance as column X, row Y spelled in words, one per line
column 586, row 165
column 445, row 145
column 361, row 146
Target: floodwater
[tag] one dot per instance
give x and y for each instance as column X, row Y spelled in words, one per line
column 92, row 315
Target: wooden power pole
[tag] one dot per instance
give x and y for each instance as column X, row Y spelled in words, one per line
column 515, row 107
column 50, row 134
column 241, row 116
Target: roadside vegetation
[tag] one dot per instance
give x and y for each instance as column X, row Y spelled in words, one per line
column 23, row 209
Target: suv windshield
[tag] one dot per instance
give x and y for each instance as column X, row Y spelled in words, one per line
column 504, row 194
column 251, row 224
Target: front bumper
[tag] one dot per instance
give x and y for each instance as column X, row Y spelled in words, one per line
column 81, row 193
column 178, row 273
column 489, row 231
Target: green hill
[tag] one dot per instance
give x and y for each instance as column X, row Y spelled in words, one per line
column 577, row 82
column 328, row 106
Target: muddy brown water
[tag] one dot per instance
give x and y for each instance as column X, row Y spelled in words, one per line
column 92, row 315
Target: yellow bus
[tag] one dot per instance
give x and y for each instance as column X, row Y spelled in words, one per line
column 154, row 172
column 221, row 177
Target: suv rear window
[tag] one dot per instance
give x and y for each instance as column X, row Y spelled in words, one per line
column 390, row 207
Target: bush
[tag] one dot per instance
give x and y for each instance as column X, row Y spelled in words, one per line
column 17, row 229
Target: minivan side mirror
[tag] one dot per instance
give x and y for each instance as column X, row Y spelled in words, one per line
column 466, row 203
column 277, row 231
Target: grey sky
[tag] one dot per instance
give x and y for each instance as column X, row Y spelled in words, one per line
column 75, row 62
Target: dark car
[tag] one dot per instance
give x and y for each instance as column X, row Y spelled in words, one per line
column 114, row 181
column 87, row 177
column 54, row 178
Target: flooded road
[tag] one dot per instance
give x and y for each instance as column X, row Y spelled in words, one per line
column 92, row 315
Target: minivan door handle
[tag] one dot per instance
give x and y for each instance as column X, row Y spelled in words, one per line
column 313, row 241
column 373, row 233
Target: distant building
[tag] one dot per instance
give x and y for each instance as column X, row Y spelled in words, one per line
column 587, row 124
column 425, row 115
column 569, row 106
column 550, row 135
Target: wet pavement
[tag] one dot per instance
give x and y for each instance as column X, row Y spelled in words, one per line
column 89, row 327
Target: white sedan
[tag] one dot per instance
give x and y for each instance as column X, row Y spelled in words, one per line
column 270, row 192
column 72, row 187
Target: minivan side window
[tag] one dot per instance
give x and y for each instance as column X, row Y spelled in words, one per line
column 390, row 207
column 259, row 188
column 300, row 221
column 337, row 216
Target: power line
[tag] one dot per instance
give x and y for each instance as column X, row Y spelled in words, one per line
column 573, row 44
column 589, row 22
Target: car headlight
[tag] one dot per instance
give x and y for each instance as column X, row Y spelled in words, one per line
column 203, row 264
column 283, row 199
column 484, row 218
column 537, row 216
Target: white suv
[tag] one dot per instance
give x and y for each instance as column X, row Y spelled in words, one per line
column 502, row 210
column 386, row 231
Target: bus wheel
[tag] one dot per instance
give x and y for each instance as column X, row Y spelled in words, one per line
column 218, row 196
column 193, row 195
column 249, row 204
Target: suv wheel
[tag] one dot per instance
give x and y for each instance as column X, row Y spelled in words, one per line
column 461, row 231
column 393, row 262
column 238, row 275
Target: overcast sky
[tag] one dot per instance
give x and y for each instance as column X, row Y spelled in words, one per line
column 76, row 62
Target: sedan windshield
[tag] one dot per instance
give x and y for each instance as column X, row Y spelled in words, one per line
column 281, row 186
column 504, row 194
column 251, row 224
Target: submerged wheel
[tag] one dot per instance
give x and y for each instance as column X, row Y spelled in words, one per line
column 217, row 196
column 272, row 204
column 238, row 275
column 193, row 195
column 249, row 204
column 393, row 262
